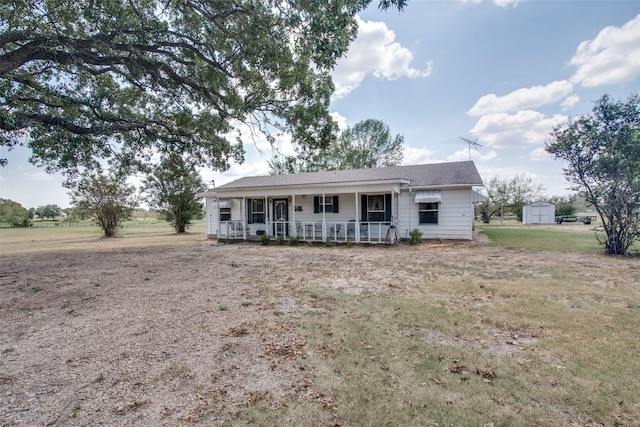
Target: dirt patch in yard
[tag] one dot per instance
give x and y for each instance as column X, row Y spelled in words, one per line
column 192, row 334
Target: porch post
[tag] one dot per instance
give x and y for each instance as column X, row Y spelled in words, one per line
column 243, row 210
column 266, row 215
column 324, row 220
column 411, row 206
column 211, row 217
column 393, row 204
column 293, row 231
column 357, row 224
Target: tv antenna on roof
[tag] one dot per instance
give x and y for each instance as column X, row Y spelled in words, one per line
column 470, row 142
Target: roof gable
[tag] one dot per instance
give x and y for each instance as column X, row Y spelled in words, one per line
column 427, row 175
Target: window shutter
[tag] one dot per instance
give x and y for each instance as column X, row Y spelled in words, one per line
column 316, row 204
column 335, row 204
column 387, row 207
column 249, row 212
column 363, row 207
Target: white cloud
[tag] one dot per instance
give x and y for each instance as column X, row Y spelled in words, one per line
column 612, row 57
column 506, row 3
column 521, row 129
column 376, row 52
column 476, row 155
column 258, row 151
column 236, row 171
column 539, row 154
column 501, row 3
column 488, row 172
column 417, row 156
column 248, row 169
column 522, row 99
column 340, row 120
column 40, row 176
column 570, row 101
column 552, row 180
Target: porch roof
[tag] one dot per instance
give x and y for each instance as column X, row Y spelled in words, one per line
column 427, row 175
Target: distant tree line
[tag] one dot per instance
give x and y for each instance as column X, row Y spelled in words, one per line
column 508, row 196
column 13, row 213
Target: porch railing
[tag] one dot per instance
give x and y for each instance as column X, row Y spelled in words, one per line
column 347, row 231
column 316, row 231
column 231, row 230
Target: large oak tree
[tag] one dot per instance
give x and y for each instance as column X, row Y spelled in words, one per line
column 82, row 81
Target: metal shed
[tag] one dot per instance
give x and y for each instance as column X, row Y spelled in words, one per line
column 539, row 213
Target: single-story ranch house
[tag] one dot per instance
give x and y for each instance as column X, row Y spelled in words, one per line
column 359, row 205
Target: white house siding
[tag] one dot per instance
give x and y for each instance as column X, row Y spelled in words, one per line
column 407, row 219
column 212, row 217
column 211, row 212
column 455, row 216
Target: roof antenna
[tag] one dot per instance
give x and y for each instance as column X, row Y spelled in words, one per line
column 470, row 143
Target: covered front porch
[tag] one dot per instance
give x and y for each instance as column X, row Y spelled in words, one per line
column 336, row 217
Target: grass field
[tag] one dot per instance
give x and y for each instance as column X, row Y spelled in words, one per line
column 551, row 343
column 555, row 238
column 55, row 237
column 546, row 343
column 535, row 327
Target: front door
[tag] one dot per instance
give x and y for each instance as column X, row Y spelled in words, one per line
column 280, row 217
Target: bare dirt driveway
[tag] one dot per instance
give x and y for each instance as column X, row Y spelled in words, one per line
column 189, row 334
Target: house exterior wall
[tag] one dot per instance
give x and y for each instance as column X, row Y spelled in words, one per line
column 211, row 217
column 346, row 211
column 455, row 216
column 455, row 211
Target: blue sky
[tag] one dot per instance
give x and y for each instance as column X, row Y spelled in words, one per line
column 502, row 72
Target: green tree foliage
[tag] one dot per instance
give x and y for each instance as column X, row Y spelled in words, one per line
column 565, row 205
column 49, row 211
column 171, row 188
column 508, row 196
column 108, row 199
column 367, row 144
column 602, row 155
column 13, row 214
column 91, row 80
column 73, row 215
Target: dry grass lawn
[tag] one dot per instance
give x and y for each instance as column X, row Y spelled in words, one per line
column 177, row 330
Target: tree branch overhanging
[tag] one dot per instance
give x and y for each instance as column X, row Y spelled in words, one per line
column 138, row 70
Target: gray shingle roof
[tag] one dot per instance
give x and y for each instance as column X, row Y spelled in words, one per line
column 435, row 174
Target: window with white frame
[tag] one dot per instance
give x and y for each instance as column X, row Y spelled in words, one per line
column 329, row 204
column 376, row 207
column 428, row 213
column 225, row 214
column 326, row 204
column 256, row 211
